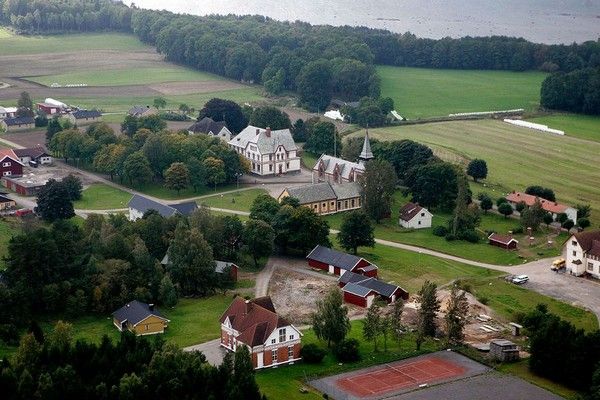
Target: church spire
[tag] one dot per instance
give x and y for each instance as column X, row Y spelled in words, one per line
column 366, row 154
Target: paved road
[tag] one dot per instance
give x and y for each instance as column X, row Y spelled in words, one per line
column 212, row 350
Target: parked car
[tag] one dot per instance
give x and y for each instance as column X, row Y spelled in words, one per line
column 520, row 279
column 23, row 211
column 558, row 264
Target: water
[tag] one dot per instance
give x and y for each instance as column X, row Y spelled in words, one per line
column 544, row 21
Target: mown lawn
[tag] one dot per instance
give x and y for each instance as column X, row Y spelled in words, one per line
column 128, row 76
column 158, row 190
column 421, row 92
column 240, row 201
column 577, row 125
column 20, row 44
column 284, row 382
column 102, row 197
column 516, row 157
column 309, row 159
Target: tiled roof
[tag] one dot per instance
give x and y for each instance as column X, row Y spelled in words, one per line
column 504, row 239
column 312, row 193
column 409, row 211
column 31, row 152
column 254, row 319
column 6, row 152
column 344, row 191
column 207, row 125
column 333, row 257
column 266, row 143
column 588, row 241
column 529, row 200
column 329, row 163
column 135, row 312
column 19, row 121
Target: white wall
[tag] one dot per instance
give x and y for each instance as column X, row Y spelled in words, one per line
column 419, row 221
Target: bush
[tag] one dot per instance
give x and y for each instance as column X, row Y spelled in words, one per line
column 470, row 236
column 347, row 350
column 583, row 223
column 312, row 354
column 462, row 285
column 520, row 206
column 562, row 218
column 518, row 230
column 450, row 237
column 501, row 200
column 568, row 224
column 440, row 231
column 9, row 334
column 169, row 116
column 483, row 300
column 548, row 219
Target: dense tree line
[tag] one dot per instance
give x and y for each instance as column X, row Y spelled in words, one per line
column 56, row 367
column 150, row 154
column 111, row 261
column 577, row 91
column 560, row 351
column 316, row 61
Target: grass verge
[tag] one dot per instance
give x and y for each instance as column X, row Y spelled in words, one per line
column 240, row 201
column 102, row 197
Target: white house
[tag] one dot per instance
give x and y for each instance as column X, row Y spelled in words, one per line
column 414, row 216
column 269, row 152
column 337, row 170
column 211, row 128
column 271, row 339
column 583, row 254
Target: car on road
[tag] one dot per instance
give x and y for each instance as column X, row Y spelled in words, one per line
column 519, row 279
column 558, row 264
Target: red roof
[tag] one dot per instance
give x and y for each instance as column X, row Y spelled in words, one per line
column 6, row 152
column 254, row 319
column 504, row 239
column 409, row 211
column 529, row 200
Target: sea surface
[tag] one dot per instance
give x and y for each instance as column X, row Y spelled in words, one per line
column 544, row 21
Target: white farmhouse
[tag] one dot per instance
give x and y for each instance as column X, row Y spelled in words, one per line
column 583, row 254
column 414, row 216
column 269, row 152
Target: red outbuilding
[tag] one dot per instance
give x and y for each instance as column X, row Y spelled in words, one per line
column 9, row 163
column 338, row 263
column 505, row 241
column 362, row 291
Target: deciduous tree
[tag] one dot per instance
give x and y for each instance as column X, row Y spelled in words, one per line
column 54, row 202
column 429, row 307
column 136, row 168
column 356, row 230
column 372, row 324
column 177, row 177
column 258, row 238
column 456, row 315
column 378, row 184
column 477, row 169
column 330, row 320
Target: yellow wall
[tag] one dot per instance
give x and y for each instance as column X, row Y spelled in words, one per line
column 155, row 325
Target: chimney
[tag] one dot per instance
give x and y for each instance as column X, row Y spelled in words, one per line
column 510, row 233
column 268, row 132
column 257, row 131
column 151, row 307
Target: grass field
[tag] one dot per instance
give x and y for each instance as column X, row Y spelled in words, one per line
column 18, row 44
column 102, row 197
column 128, row 76
column 309, row 159
column 420, row 92
column 240, row 201
column 580, row 126
column 7, row 230
column 516, row 157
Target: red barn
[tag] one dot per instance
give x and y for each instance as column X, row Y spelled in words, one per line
column 505, row 241
column 338, row 263
column 224, row 266
column 361, row 291
column 9, row 163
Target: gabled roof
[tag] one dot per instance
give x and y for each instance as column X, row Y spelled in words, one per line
column 136, row 111
column 357, row 289
column 344, row 191
column 19, row 121
column 529, row 200
column 143, row 204
column 31, row 152
column 329, row 164
column 266, row 142
column 312, row 193
column 83, row 114
column 410, row 210
column 504, row 239
column 10, row 153
column 207, row 125
column 589, row 242
column 352, row 280
column 5, row 199
column 135, row 312
column 221, row 266
column 380, row 287
column 255, row 320
column 186, row 208
column 351, row 277
column 333, row 257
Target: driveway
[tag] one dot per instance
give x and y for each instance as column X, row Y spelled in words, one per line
column 212, row 350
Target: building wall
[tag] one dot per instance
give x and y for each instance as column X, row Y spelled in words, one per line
column 349, row 204
column 9, row 167
column 324, row 207
column 318, row 264
column 421, row 220
column 575, row 252
column 511, row 246
column 354, row 299
column 271, row 163
column 150, row 326
column 8, row 204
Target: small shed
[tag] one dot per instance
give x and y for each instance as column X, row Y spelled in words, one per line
column 358, row 295
column 504, row 241
column 504, row 350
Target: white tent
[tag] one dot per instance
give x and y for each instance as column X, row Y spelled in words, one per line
column 334, row 114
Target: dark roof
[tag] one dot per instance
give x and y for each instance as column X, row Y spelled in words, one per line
column 207, row 125
column 19, row 121
column 409, row 211
column 83, row 114
column 5, row 199
column 382, row 288
column 312, row 193
column 586, row 239
column 504, row 239
column 351, row 277
column 144, row 204
column 135, row 312
column 369, row 284
column 138, row 110
column 333, row 257
column 31, row 152
column 357, row 289
column 186, row 208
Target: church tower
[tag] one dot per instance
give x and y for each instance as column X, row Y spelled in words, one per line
column 366, row 154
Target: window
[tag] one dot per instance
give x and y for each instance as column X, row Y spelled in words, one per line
column 271, row 167
column 422, row 214
column 291, row 337
column 590, row 266
column 324, row 205
column 332, row 204
column 346, row 204
column 316, row 206
column 290, row 352
column 287, row 165
column 282, row 335
column 7, row 173
column 574, row 253
column 574, row 243
column 146, row 327
column 274, row 355
column 6, row 164
column 270, row 157
column 273, row 341
column 339, row 205
column 352, row 201
column 419, row 223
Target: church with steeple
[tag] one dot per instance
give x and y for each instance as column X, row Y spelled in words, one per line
column 337, row 170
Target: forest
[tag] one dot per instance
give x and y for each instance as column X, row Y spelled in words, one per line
column 318, row 62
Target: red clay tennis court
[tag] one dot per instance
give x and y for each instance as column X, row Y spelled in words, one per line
column 398, row 376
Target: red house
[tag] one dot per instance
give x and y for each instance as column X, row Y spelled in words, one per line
column 271, row 339
column 505, row 241
column 362, row 291
column 338, row 263
column 224, row 266
column 9, row 163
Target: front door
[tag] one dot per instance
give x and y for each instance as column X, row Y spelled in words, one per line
column 280, row 168
column 259, row 360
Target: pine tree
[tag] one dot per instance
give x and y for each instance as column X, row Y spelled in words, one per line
column 167, row 294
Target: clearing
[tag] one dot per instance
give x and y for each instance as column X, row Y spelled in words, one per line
column 100, row 196
column 240, row 200
column 421, row 92
column 516, row 157
column 576, row 125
